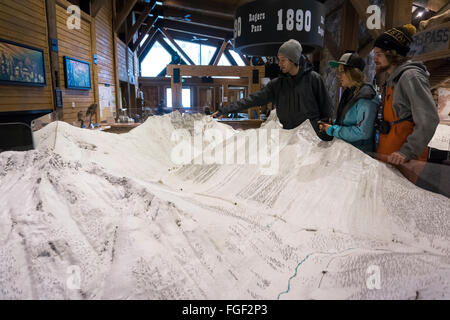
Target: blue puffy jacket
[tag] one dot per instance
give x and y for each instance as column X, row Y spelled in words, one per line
column 355, row 118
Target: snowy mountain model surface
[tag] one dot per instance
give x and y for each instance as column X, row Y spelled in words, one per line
column 94, row 215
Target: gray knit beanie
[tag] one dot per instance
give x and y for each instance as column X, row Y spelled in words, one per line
column 291, row 49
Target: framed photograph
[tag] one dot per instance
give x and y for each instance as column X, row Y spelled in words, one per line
column 21, row 64
column 77, row 73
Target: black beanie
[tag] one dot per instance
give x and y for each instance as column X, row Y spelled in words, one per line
column 398, row 39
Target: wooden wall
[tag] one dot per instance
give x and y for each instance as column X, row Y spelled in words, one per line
column 25, row 22
column 105, row 53
column 76, row 44
column 122, row 60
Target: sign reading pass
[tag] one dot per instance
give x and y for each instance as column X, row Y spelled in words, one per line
column 431, row 41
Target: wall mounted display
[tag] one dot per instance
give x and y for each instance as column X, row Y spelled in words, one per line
column 21, row 64
column 77, row 73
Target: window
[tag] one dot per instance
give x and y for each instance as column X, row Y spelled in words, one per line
column 207, row 53
column 224, row 61
column 191, row 49
column 143, row 40
column 199, row 53
column 237, row 58
column 185, row 97
column 155, row 61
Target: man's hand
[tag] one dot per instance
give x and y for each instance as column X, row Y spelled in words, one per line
column 396, row 158
column 323, row 126
column 217, row 114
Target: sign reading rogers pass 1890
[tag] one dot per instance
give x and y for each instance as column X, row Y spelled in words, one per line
column 261, row 26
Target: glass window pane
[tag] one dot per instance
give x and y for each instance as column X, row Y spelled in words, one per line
column 155, row 61
column 186, row 97
column 143, row 40
column 191, row 49
column 224, row 61
column 207, row 53
column 169, row 97
column 237, row 58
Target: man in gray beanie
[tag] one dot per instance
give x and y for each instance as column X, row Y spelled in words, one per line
column 291, row 49
column 298, row 93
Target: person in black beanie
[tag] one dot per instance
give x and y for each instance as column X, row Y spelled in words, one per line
column 298, row 94
column 408, row 118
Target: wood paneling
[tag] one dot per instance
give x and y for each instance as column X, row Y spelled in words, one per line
column 130, row 67
column 105, row 48
column 122, row 61
column 77, row 44
column 25, row 22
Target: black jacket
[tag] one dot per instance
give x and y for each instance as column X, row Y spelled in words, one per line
column 296, row 98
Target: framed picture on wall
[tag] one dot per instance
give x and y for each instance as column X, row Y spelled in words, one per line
column 21, row 64
column 77, row 73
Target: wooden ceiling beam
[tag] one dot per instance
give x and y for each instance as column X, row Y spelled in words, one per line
column 146, row 29
column 169, row 37
column 205, row 7
column 142, row 17
column 123, row 14
column 148, row 42
column 219, row 55
column 96, row 6
column 197, row 30
column 160, row 37
column 177, row 14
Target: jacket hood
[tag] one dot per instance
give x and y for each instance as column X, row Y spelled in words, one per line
column 367, row 91
column 348, row 99
column 409, row 65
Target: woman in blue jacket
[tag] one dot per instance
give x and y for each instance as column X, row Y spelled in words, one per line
column 355, row 116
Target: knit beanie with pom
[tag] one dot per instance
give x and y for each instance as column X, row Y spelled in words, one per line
column 398, row 39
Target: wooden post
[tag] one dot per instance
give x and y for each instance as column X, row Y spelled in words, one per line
column 50, row 6
column 128, row 71
column 95, row 68
column 350, row 29
column 116, row 59
column 148, row 8
column 176, row 91
column 219, row 55
column 398, row 13
column 123, row 14
column 253, row 87
column 225, row 94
